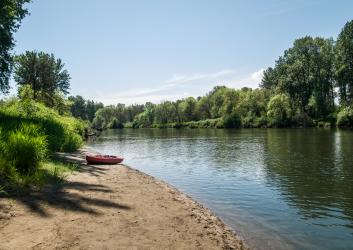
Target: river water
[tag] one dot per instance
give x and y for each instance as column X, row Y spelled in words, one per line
column 277, row 188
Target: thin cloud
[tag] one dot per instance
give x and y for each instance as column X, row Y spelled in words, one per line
column 204, row 76
column 251, row 80
column 143, row 99
column 181, row 87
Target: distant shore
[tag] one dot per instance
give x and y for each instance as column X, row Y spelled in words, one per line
column 111, row 207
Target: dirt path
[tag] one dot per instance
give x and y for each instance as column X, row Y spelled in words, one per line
column 110, row 207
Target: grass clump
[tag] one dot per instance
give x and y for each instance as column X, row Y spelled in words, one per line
column 29, row 135
column 60, row 131
column 24, row 148
column 49, row 171
column 345, row 118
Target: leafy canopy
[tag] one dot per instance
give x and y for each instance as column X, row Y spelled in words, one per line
column 44, row 73
column 11, row 14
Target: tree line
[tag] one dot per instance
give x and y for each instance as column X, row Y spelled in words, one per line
column 311, row 84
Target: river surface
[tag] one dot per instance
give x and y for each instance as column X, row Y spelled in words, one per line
column 277, row 188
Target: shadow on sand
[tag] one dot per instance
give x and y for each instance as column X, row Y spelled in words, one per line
column 70, row 195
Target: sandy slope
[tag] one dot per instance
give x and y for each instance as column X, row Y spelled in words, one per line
column 110, row 207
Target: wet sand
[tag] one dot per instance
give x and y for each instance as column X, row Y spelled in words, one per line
column 110, row 207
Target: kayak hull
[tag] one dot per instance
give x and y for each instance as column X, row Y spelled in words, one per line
column 103, row 159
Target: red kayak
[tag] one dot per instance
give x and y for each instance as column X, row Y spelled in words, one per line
column 103, row 159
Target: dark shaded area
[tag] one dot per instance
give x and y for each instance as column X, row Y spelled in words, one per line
column 58, row 197
column 58, row 194
column 79, row 158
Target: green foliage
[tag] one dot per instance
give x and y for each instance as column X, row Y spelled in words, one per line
column 84, row 109
column 345, row 118
column 298, row 91
column 11, row 14
column 72, row 143
column 47, row 172
column 208, row 123
column 279, row 110
column 57, row 99
column 59, row 130
column 24, row 148
column 115, row 124
column 115, row 116
column 29, row 133
column 305, row 72
column 232, row 120
column 344, row 64
column 187, row 109
column 44, row 73
column 143, row 120
column 302, row 120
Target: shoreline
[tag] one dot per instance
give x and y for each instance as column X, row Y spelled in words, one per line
column 118, row 207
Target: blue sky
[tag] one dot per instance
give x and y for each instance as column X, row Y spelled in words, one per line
column 138, row 51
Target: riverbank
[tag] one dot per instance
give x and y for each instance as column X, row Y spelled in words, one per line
column 110, row 207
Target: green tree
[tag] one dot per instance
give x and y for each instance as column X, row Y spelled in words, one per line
column 11, row 14
column 232, row 120
column 188, row 109
column 78, row 107
column 344, row 64
column 103, row 117
column 305, row 71
column 204, row 107
column 165, row 113
column 279, row 110
column 217, row 100
column 44, row 73
column 269, row 79
column 91, row 108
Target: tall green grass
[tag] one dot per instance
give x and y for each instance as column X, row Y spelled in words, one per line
column 24, row 148
column 63, row 133
column 29, row 134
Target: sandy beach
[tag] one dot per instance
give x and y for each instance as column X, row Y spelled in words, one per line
column 110, row 207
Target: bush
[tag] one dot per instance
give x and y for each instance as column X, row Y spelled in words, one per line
column 303, row 120
column 72, row 143
column 115, row 124
column 279, row 111
column 345, row 118
column 247, row 122
column 59, row 130
column 261, row 122
column 128, row 125
column 24, row 148
column 219, row 123
column 232, row 120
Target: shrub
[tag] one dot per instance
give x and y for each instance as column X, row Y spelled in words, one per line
column 345, row 118
column 58, row 129
column 261, row 122
column 279, row 110
column 142, row 120
column 128, row 125
column 303, row 120
column 232, row 120
column 72, row 143
column 115, row 124
column 219, row 123
column 247, row 122
column 24, row 148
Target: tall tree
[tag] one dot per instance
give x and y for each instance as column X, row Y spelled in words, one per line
column 11, row 14
column 269, row 79
column 44, row 73
column 305, row 73
column 344, row 64
column 78, row 107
